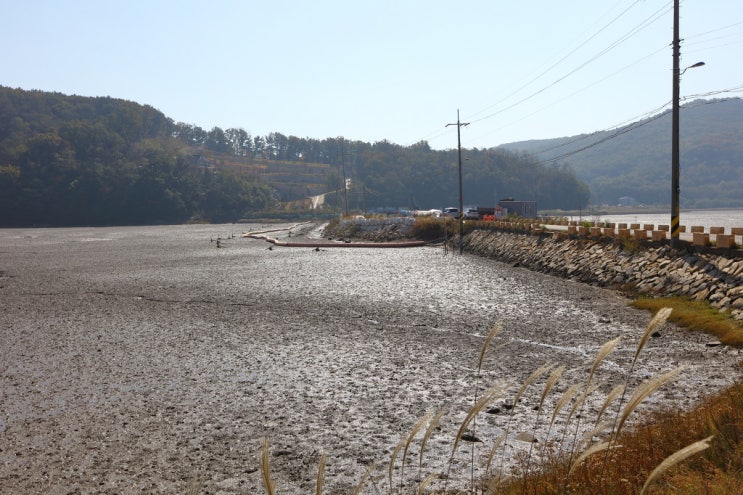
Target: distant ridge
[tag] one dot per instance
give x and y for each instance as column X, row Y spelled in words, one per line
column 634, row 162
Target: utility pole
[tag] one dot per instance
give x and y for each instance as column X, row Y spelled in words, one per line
column 345, row 182
column 459, row 154
column 675, row 188
column 675, row 134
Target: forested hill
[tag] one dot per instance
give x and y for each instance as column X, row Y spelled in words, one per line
column 72, row 160
column 69, row 160
column 635, row 161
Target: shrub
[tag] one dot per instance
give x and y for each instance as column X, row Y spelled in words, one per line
column 432, row 229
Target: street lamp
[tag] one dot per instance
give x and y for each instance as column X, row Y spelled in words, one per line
column 675, row 189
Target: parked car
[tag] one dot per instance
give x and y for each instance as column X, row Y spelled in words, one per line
column 450, row 212
column 471, row 213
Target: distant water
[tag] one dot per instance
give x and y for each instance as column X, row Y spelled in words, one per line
column 706, row 218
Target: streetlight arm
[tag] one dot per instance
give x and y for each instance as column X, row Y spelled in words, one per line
column 698, row 64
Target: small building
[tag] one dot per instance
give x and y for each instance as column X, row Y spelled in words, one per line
column 526, row 209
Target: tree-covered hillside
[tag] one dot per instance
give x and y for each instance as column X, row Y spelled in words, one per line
column 71, row 160
column 635, row 161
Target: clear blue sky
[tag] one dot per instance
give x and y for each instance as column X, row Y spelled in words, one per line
column 373, row 70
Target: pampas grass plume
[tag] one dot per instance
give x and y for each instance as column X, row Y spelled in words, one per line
column 615, row 392
column 431, row 426
column 566, row 397
column 491, row 335
column 532, row 378
column 489, row 395
column 321, row 473
column 416, row 428
column 366, row 475
column 674, row 459
column 658, row 320
column 266, row 469
column 589, row 452
column 643, row 391
column 605, row 350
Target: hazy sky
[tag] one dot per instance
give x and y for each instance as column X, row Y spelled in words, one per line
column 371, row 70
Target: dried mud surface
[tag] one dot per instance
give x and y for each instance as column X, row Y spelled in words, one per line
column 147, row 360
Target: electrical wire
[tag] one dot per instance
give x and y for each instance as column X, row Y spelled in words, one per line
column 555, row 64
column 697, row 39
column 644, row 24
column 625, row 130
column 589, row 86
column 438, row 133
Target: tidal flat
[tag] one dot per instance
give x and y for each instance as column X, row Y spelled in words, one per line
column 150, row 360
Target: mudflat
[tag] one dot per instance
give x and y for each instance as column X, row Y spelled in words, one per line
column 149, row 360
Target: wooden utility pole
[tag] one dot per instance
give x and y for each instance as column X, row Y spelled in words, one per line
column 459, row 154
column 675, row 131
column 675, row 187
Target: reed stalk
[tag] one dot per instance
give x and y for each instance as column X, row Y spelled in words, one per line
column 321, row 474
column 268, row 483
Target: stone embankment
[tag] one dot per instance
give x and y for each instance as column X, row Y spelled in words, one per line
column 651, row 270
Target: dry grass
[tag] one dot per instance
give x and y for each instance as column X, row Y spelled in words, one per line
column 716, row 470
column 698, row 316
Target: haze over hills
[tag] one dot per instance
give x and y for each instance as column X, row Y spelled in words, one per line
column 633, row 163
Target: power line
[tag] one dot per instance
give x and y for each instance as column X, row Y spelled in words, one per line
column 436, row 134
column 555, row 64
column 622, row 131
column 644, row 24
column 575, row 93
column 648, row 21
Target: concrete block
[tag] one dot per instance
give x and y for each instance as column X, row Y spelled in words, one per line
column 572, row 229
column 700, row 238
column 658, row 235
column 649, row 226
column 595, row 231
column 736, row 231
column 665, row 228
column 608, row 232
column 717, row 230
column 726, row 241
column 622, row 226
column 634, row 226
column 640, row 234
column 623, row 233
column 697, row 228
